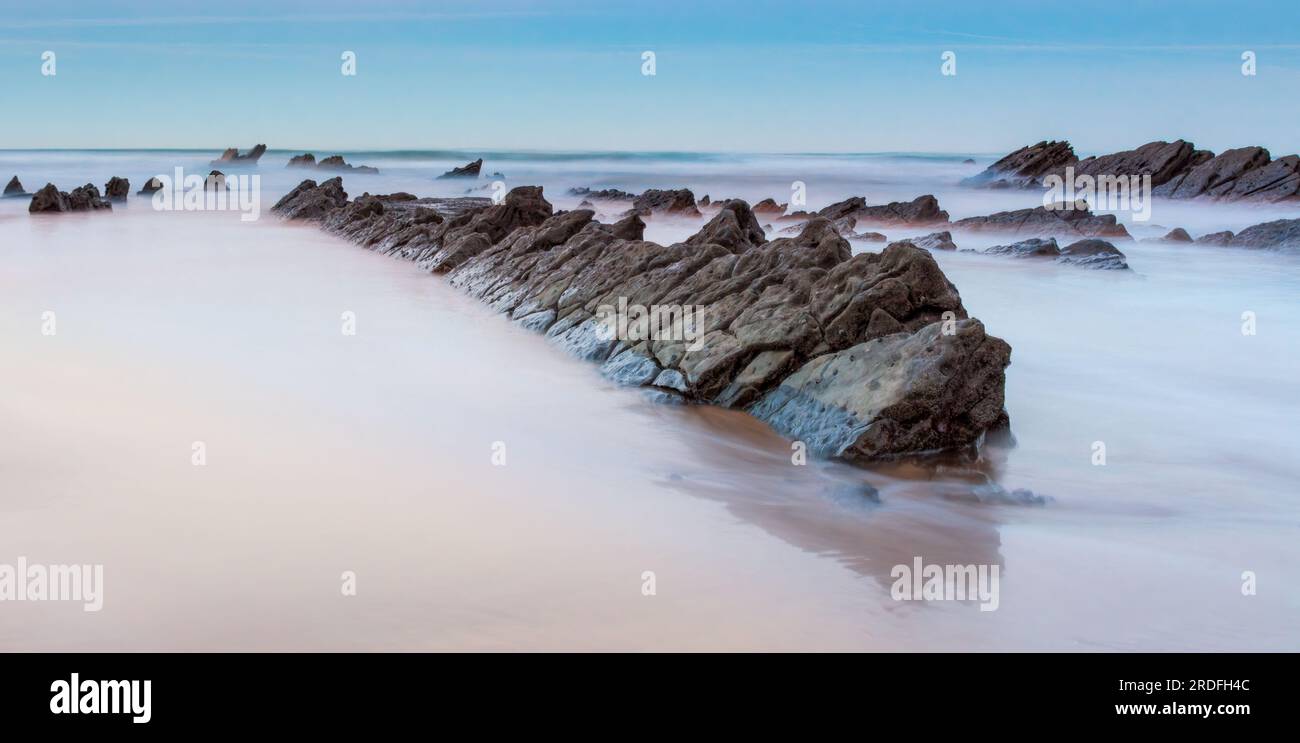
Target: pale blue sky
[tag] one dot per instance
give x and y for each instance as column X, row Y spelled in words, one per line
column 743, row 76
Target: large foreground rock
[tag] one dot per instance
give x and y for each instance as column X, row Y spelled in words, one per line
column 928, row 391
column 81, row 199
column 864, row 357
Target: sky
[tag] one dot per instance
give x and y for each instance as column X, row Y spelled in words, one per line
column 753, row 76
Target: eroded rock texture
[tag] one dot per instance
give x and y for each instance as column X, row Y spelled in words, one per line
column 862, row 357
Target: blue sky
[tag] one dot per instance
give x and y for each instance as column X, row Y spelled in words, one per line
column 737, row 76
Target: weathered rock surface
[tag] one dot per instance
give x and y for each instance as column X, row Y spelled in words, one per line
column 923, row 210
column 769, row 206
column 1177, row 235
column 335, row 163
column 150, row 186
column 51, row 200
column 1034, row 247
column 605, row 194
column 470, row 170
column 863, row 357
column 656, row 201
column 117, row 189
column 15, row 188
column 1043, row 222
column 1178, row 170
column 232, row 158
column 1215, row 238
column 934, row 241
column 1025, row 167
column 1093, row 253
column 1278, row 234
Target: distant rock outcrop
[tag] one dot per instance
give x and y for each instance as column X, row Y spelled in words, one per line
column 15, row 188
column 51, row 200
column 470, row 170
column 1177, row 169
column 849, row 354
column 150, row 186
column 232, row 158
column 333, row 163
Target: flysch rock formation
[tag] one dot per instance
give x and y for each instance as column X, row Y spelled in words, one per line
column 1040, row 221
column 862, row 357
column 1178, row 170
column 333, row 163
column 470, row 170
column 923, row 210
column 1088, row 253
column 50, row 200
column 232, row 158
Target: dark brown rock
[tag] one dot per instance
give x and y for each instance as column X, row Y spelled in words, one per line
column 470, row 170
column 117, row 189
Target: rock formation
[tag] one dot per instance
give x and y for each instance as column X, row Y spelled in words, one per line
column 1089, row 253
column 470, row 170
column 923, row 210
column 655, row 201
column 333, row 163
column 15, row 188
column 150, row 186
column 232, row 158
column 1178, row 170
column 862, row 357
column 117, row 189
column 1043, row 222
column 51, row 200
column 934, row 241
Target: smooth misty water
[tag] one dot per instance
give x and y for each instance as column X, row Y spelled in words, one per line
column 372, row 453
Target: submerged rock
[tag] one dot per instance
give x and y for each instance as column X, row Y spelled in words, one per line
column 1034, row 247
column 1093, row 253
column 864, row 357
column 934, row 241
column 51, row 200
